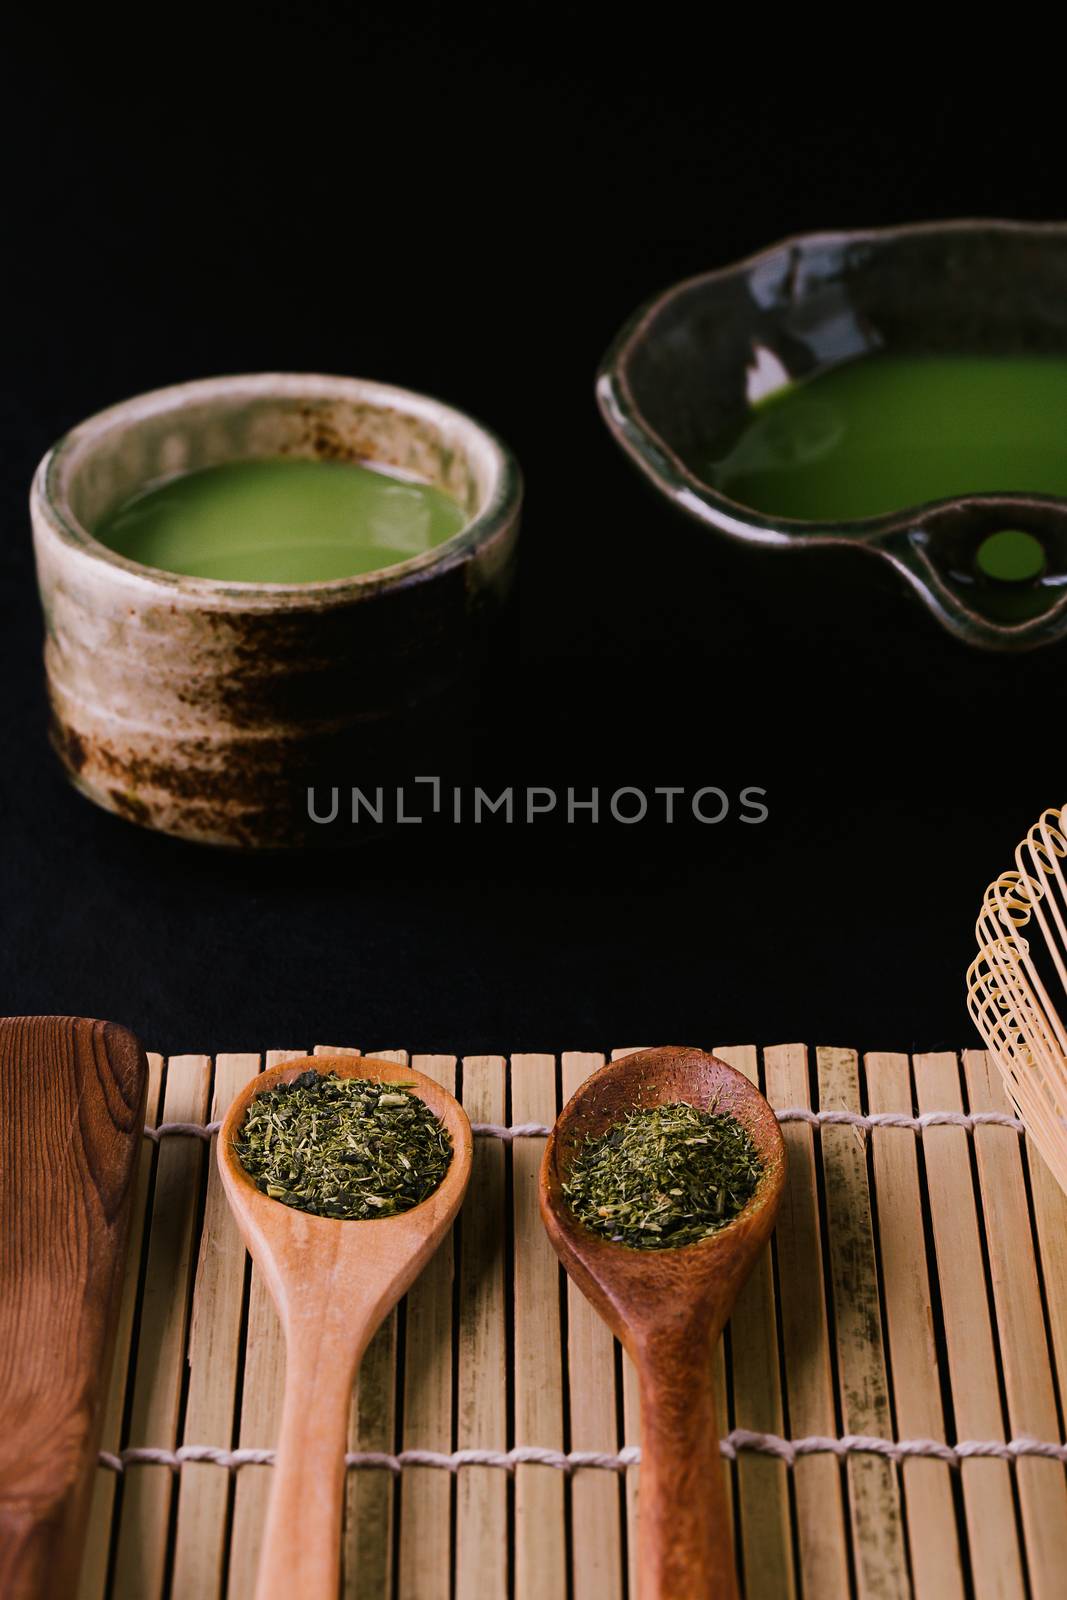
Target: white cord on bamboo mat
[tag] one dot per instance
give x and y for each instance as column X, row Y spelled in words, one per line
column 815, row 1119
column 768, row 1444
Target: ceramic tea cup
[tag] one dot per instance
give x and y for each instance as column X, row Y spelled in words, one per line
column 691, row 365
column 206, row 708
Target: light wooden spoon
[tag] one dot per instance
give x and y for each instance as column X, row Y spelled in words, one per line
column 333, row 1282
column 668, row 1309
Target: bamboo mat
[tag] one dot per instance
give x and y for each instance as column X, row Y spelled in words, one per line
column 915, row 1289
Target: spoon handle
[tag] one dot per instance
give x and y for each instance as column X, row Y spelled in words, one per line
column 685, row 1551
column 301, row 1551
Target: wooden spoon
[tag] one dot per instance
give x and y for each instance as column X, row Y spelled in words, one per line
column 333, row 1282
column 668, row 1309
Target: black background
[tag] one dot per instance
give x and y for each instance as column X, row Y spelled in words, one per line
column 472, row 206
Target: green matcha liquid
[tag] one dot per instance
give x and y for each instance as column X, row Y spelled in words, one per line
column 281, row 522
column 883, row 433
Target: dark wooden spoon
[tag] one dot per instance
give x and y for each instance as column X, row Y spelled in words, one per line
column 668, row 1309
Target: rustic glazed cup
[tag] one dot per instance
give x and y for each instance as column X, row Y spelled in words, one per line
column 687, row 368
column 206, row 709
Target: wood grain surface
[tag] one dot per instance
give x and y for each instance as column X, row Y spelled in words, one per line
column 72, row 1095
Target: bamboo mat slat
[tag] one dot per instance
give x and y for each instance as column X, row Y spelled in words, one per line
column 214, row 1351
column 482, row 1368
column 822, row 1540
column 974, row 1371
column 937, row 1571
column 1050, row 1212
column 874, row 1490
column 916, row 1288
column 762, row 1482
column 540, row 1527
column 425, row 1493
column 597, row 1563
column 94, row 1573
column 158, row 1369
column 1024, row 1354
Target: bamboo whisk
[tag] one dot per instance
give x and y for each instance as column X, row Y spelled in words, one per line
column 1015, row 980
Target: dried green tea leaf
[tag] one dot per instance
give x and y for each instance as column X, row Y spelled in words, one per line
column 664, row 1176
column 343, row 1147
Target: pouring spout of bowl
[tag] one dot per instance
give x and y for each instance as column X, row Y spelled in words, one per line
column 992, row 568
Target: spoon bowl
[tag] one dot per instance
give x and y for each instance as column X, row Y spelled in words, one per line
column 668, row 1307
column 333, row 1281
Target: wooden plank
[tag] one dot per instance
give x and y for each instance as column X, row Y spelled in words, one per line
column 933, row 1540
column 540, row 1534
column 996, row 1564
column 72, row 1101
column 214, row 1348
column 822, row 1538
column 481, row 1497
column 144, row 1518
column 97, row 1554
column 1024, row 1352
column 370, row 1494
column 762, row 1481
column 261, row 1410
column 595, row 1505
column 426, row 1492
column 874, row 1493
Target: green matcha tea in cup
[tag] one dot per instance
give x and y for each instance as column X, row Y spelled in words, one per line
column 250, row 582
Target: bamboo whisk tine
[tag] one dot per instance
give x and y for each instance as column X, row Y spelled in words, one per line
column 1015, row 983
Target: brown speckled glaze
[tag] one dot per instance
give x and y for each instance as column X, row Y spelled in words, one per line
column 205, row 709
